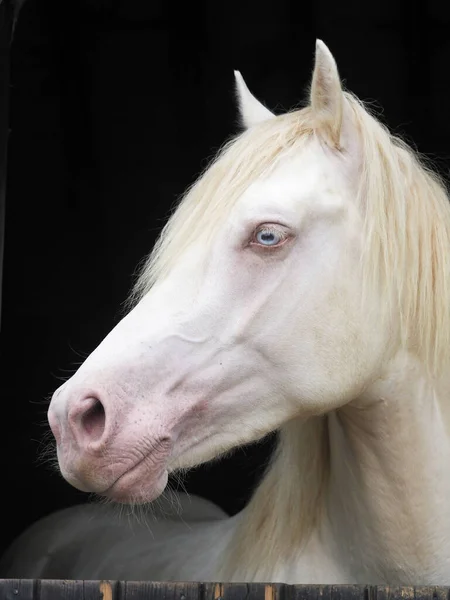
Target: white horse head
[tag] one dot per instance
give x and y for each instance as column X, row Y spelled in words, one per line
column 296, row 267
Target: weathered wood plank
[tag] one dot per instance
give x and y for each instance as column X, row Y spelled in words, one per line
column 137, row 590
column 323, row 592
column 47, row 589
column 408, row 593
column 17, row 589
column 239, row 591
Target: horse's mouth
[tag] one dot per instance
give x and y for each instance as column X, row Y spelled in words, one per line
column 125, row 481
column 142, row 483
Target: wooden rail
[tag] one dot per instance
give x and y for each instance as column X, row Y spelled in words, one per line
column 47, row 589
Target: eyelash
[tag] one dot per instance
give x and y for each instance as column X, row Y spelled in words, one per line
column 271, row 228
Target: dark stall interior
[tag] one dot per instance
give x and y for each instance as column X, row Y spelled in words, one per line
column 115, row 106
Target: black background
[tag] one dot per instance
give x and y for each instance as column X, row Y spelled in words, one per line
column 116, row 106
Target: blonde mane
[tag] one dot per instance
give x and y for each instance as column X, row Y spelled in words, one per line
column 407, row 233
column 287, row 506
column 407, row 221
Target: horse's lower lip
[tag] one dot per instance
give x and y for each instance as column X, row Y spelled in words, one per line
column 124, row 474
column 137, row 485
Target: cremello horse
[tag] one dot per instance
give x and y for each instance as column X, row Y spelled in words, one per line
column 303, row 284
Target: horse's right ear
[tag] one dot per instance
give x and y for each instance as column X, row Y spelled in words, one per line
column 327, row 98
column 252, row 110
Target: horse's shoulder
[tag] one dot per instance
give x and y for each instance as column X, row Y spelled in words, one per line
column 58, row 538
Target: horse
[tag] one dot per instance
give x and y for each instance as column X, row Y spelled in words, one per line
column 302, row 285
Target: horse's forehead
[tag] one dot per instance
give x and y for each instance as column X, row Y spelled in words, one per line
column 309, row 175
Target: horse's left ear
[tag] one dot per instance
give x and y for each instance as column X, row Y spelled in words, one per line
column 327, row 97
column 252, row 110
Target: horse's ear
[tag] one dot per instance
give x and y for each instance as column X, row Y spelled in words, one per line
column 251, row 109
column 327, row 98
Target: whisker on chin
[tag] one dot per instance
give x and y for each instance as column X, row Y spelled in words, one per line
column 45, row 401
column 79, row 353
column 46, row 451
column 179, row 477
column 65, row 377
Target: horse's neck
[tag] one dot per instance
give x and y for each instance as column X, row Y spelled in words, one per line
column 389, row 486
column 361, row 495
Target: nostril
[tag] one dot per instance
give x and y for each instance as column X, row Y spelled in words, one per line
column 93, row 420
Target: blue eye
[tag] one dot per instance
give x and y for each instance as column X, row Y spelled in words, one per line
column 268, row 237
